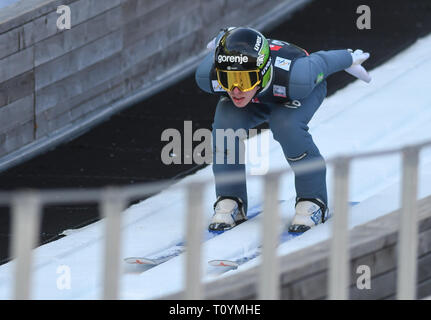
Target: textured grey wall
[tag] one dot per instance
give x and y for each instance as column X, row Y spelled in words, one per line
column 51, row 79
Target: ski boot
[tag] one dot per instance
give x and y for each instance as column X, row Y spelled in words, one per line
column 228, row 213
column 308, row 213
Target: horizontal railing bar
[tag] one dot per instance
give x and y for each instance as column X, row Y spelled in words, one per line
column 70, row 196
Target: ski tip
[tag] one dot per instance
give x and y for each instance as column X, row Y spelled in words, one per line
column 223, row 263
column 137, row 260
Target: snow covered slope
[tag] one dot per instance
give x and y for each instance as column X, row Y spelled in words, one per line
column 392, row 111
column 5, row 3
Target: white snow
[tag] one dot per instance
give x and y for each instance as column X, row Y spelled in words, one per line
column 392, row 111
column 5, row 3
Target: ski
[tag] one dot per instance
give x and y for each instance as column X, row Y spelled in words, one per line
column 171, row 252
column 161, row 257
column 235, row 263
column 137, row 260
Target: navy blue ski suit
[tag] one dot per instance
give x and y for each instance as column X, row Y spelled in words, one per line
column 288, row 103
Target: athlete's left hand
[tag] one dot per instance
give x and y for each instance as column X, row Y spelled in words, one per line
column 358, row 56
column 356, row 70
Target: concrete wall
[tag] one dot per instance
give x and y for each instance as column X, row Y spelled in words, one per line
column 304, row 274
column 51, row 80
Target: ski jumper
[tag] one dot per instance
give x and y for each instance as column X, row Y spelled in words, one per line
column 294, row 93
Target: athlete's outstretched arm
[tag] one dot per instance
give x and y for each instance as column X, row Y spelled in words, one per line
column 203, row 73
column 308, row 72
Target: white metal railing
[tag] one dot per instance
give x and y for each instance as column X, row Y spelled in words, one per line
column 339, row 257
column 407, row 254
column 26, row 209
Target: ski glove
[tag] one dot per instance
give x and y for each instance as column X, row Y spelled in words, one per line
column 358, row 56
column 356, row 70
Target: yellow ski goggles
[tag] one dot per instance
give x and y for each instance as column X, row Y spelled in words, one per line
column 244, row 80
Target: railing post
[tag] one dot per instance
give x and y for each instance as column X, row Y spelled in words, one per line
column 269, row 285
column 25, row 230
column 112, row 205
column 408, row 235
column 194, row 232
column 339, row 255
